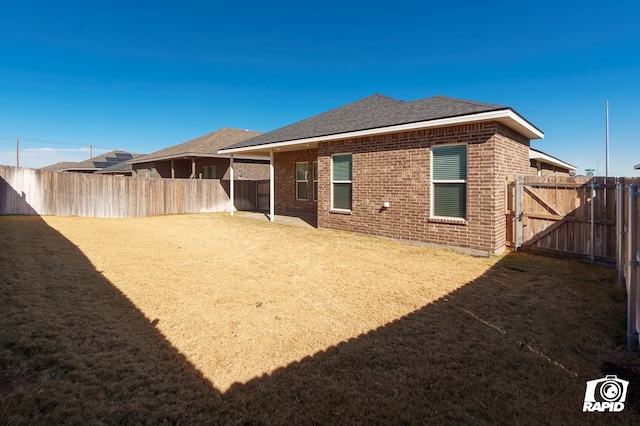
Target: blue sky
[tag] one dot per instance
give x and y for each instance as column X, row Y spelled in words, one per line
column 142, row 76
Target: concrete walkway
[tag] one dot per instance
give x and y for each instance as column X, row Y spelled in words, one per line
column 303, row 221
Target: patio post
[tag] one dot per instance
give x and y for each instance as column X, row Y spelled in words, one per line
column 272, row 216
column 231, row 195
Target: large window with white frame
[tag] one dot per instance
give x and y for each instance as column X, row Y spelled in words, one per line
column 302, row 181
column 449, row 181
column 315, row 181
column 341, row 183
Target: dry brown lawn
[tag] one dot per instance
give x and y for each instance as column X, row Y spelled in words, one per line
column 212, row 319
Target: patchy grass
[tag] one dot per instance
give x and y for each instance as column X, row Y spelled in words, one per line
column 213, row 319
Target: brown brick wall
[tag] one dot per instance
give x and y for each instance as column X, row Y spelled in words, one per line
column 285, row 182
column 396, row 168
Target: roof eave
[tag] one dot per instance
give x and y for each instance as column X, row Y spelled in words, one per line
column 546, row 158
column 506, row 116
column 184, row 155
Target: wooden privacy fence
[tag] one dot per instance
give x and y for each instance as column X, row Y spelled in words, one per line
column 628, row 260
column 44, row 192
column 597, row 219
column 564, row 216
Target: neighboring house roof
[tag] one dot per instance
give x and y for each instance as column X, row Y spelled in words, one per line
column 381, row 114
column 534, row 154
column 93, row 164
column 637, row 167
column 58, row 167
column 203, row 146
column 122, row 168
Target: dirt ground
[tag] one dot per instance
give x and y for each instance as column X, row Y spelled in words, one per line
column 214, row 319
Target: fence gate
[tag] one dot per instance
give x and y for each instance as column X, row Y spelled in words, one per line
column 563, row 216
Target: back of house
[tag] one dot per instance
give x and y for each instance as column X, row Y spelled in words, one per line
column 431, row 170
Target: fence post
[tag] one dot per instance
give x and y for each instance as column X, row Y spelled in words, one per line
column 593, row 223
column 517, row 233
column 632, row 285
column 620, row 232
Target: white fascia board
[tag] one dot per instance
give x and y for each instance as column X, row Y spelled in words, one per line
column 526, row 128
column 190, row 154
column 541, row 156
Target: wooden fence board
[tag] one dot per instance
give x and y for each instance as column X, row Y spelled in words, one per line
column 557, row 216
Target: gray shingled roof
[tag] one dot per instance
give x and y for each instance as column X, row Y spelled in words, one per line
column 203, row 146
column 120, row 168
column 60, row 166
column 370, row 113
column 93, row 164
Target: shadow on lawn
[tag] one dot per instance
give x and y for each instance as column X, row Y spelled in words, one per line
column 73, row 349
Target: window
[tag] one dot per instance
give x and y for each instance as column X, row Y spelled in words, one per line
column 315, row 181
column 449, row 181
column 341, row 181
column 209, row 172
column 302, row 181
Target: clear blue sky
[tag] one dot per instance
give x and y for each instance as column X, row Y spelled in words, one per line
column 142, row 76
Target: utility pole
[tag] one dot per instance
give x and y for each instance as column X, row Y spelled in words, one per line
column 607, row 138
column 17, row 152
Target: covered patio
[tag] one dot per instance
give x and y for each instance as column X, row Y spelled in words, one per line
column 303, row 221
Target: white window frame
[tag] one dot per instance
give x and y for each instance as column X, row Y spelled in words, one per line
column 314, row 171
column 341, row 181
column 302, row 181
column 463, row 181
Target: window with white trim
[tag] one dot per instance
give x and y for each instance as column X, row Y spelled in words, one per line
column 449, row 181
column 315, row 181
column 302, row 181
column 341, row 184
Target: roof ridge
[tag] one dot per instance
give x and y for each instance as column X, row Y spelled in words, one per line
column 385, row 97
column 466, row 101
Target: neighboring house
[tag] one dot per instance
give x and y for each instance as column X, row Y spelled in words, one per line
column 431, row 170
column 636, row 167
column 123, row 168
column 199, row 159
column 545, row 165
column 93, row 164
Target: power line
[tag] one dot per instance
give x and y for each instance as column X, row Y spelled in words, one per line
column 12, row 138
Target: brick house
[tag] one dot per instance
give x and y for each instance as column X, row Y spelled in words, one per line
column 199, row 159
column 543, row 164
column 431, row 170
